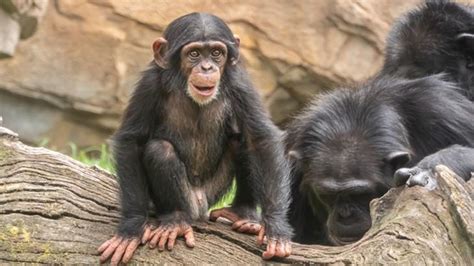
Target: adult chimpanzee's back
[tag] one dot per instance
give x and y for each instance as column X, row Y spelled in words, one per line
column 436, row 37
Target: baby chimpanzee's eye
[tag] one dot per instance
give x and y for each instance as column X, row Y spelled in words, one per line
column 216, row 52
column 194, row 53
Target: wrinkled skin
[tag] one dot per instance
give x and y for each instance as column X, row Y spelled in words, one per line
column 121, row 249
column 415, row 176
column 167, row 234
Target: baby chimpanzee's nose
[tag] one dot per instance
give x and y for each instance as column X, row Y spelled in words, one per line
column 206, row 66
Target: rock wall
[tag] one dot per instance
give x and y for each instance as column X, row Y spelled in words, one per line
column 19, row 20
column 71, row 80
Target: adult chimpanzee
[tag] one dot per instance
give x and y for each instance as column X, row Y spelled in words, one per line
column 194, row 122
column 458, row 158
column 347, row 145
column 437, row 37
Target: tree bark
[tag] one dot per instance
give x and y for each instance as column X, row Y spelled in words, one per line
column 56, row 210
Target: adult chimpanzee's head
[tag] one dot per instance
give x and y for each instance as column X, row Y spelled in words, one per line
column 200, row 46
column 348, row 155
column 437, row 37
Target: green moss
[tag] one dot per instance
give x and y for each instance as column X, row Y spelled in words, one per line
column 17, row 239
column 4, row 152
column 47, row 256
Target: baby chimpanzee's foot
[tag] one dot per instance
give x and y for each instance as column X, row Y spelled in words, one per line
column 120, row 249
column 171, row 226
column 244, row 219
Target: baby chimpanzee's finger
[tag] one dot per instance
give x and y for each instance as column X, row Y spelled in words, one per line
column 110, row 249
column 156, row 234
column 261, row 235
column 119, row 251
column 132, row 246
column 163, row 240
column 189, row 236
column 146, row 234
column 271, row 250
column 280, row 249
column 106, row 244
column 172, row 238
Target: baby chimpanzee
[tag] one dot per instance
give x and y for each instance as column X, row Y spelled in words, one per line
column 193, row 123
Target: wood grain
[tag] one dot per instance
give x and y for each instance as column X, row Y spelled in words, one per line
column 56, row 210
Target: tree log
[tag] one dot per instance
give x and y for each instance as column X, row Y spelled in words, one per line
column 54, row 209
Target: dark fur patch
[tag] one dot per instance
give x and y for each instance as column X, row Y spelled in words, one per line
column 347, row 133
column 425, row 41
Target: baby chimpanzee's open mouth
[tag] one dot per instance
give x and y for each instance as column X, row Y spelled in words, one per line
column 204, row 90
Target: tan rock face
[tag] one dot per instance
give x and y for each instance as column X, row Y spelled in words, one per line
column 81, row 64
column 19, row 20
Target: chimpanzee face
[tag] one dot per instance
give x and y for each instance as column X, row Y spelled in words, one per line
column 345, row 194
column 344, row 182
column 203, row 64
column 196, row 48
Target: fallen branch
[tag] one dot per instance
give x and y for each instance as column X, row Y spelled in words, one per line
column 56, row 210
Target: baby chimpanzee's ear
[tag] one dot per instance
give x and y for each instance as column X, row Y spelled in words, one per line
column 160, row 46
column 236, row 57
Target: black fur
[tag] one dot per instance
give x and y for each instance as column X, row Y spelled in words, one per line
column 169, row 149
column 349, row 138
column 436, row 37
column 458, row 158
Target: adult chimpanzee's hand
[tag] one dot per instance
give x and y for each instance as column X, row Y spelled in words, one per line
column 276, row 247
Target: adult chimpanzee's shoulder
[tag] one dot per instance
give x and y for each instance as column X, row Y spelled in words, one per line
column 425, row 33
column 434, row 92
column 436, row 37
column 450, row 7
column 432, row 18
